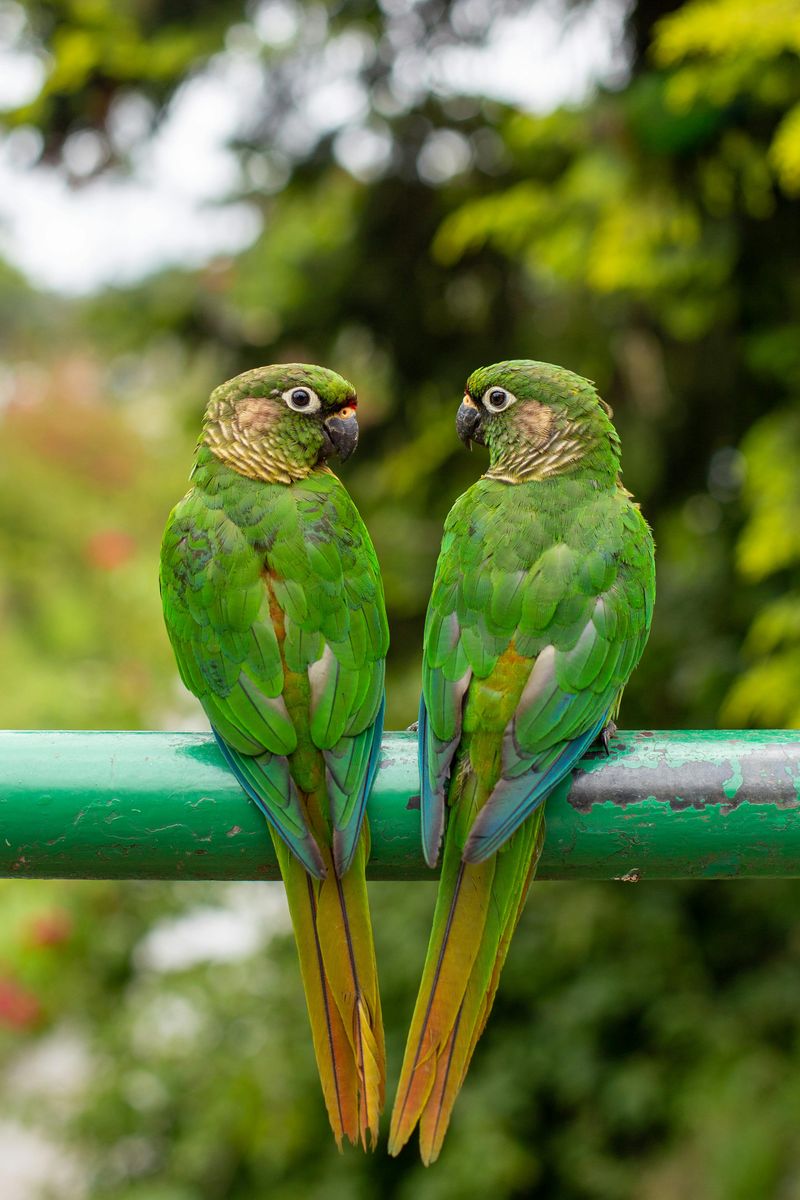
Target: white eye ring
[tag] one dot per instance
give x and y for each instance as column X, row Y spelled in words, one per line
column 496, row 399
column 302, row 399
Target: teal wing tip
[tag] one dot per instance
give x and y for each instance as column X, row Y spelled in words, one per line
column 513, row 800
column 305, row 849
column 432, row 841
column 312, row 859
column 344, row 849
column 493, row 826
column 345, row 838
column 431, row 800
column 478, row 849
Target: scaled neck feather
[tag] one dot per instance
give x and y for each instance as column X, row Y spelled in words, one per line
column 564, row 447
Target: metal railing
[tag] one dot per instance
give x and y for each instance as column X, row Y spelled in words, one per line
column 662, row 805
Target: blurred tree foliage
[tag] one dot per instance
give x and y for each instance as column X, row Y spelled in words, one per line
column 648, row 238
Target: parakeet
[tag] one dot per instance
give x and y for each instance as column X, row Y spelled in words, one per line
column 274, row 605
column 540, row 610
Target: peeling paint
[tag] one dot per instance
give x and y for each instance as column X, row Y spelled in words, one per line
column 731, row 786
column 794, row 775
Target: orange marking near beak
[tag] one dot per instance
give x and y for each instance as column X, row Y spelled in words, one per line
column 470, row 403
column 349, row 410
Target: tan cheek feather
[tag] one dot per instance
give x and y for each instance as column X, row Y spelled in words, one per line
column 255, row 413
column 536, row 422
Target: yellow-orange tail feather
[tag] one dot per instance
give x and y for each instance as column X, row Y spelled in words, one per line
column 477, row 910
column 337, row 962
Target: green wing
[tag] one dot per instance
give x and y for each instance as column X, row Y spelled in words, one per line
column 264, row 584
column 554, row 609
column 336, row 631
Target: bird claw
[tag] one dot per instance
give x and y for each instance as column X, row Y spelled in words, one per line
column 606, row 734
column 413, row 727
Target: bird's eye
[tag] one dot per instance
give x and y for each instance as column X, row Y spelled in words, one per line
column 302, row 399
column 496, row 399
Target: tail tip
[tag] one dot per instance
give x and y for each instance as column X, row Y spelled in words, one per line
column 399, row 1133
column 397, row 1143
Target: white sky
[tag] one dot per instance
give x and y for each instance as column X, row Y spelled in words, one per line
column 172, row 211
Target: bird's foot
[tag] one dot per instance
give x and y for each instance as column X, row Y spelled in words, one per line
column 606, row 734
column 413, row 727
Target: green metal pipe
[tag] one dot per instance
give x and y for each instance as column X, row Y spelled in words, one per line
column 662, row 805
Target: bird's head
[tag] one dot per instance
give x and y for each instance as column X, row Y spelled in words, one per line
column 278, row 423
column 537, row 420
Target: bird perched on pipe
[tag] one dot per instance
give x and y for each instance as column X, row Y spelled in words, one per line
column 540, row 610
column 274, row 606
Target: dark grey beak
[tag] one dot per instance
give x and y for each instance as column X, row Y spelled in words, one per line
column 341, row 435
column 468, row 422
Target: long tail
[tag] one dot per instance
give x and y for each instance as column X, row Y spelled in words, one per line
column 477, row 910
column 337, row 962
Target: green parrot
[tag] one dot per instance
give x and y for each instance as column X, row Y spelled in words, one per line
column 274, row 605
column 540, row 610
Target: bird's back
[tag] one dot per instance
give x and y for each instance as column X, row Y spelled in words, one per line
column 556, row 572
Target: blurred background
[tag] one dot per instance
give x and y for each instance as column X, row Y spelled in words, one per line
column 403, row 191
